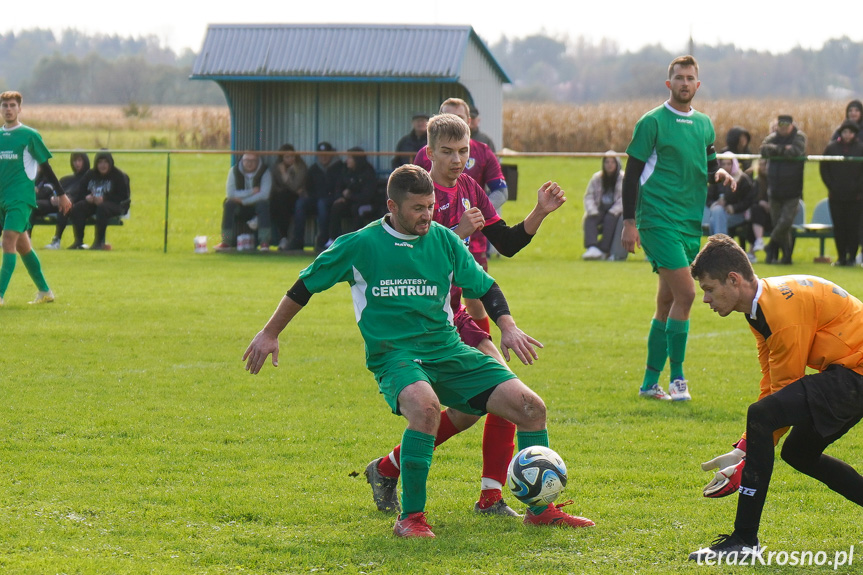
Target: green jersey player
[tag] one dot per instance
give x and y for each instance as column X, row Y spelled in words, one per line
column 21, row 151
column 671, row 158
column 400, row 270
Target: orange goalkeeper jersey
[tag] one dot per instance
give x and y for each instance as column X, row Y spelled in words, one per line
column 801, row 321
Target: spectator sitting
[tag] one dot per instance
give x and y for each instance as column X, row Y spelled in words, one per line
column 759, row 213
column 413, row 142
column 853, row 112
column 844, row 181
column 359, row 184
column 475, row 134
column 105, row 192
column 247, row 198
column 322, row 188
column 289, row 179
column 737, row 142
column 727, row 207
column 80, row 164
column 603, row 204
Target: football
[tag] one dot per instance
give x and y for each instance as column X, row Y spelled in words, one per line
column 536, row 475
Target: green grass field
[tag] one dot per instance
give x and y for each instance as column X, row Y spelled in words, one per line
column 132, row 440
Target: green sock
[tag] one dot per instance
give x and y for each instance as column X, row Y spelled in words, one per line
column 6, row 269
column 678, row 332
column 529, row 439
column 657, row 353
column 34, row 268
column 416, row 457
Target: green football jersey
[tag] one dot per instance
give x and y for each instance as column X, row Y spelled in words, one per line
column 400, row 286
column 673, row 187
column 21, row 152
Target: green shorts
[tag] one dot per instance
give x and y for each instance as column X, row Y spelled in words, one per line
column 456, row 379
column 668, row 248
column 15, row 216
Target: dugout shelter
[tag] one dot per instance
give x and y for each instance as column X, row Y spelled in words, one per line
column 348, row 84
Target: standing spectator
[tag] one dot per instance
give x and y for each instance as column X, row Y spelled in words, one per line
column 785, row 149
column 603, row 204
column 475, row 134
column 728, row 206
column 737, row 142
column 359, row 185
column 844, row 181
column 80, row 164
column 322, row 188
column 414, row 141
column 759, row 213
column 247, row 197
column 105, row 192
column 663, row 206
column 288, row 177
column 17, row 144
column 854, row 113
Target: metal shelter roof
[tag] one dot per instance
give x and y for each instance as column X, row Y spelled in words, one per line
column 337, row 52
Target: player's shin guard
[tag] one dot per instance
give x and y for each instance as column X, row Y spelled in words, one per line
column 677, row 332
column 657, row 353
column 416, row 457
column 34, row 268
column 6, row 269
column 497, row 447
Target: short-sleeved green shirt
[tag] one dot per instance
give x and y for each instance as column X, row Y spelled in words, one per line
column 673, row 186
column 400, row 286
column 21, row 152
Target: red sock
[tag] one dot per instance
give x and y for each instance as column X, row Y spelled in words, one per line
column 484, row 324
column 497, row 447
column 444, row 431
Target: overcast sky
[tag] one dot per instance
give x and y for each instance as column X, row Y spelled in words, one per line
column 761, row 25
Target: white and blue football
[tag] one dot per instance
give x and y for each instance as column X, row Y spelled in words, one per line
column 536, row 475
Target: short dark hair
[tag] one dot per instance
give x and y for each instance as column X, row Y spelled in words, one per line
column 684, row 62
column 448, row 127
column 720, row 256
column 408, row 179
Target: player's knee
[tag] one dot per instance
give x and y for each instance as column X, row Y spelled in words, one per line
column 533, row 409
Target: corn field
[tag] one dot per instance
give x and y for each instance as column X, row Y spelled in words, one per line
column 528, row 127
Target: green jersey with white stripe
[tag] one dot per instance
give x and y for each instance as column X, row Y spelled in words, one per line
column 400, row 286
column 21, row 152
column 673, row 187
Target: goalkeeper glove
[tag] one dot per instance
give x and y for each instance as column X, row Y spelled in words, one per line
column 727, row 480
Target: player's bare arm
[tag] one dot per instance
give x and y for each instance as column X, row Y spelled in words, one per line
column 266, row 341
column 549, row 197
column 512, row 338
column 723, row 177
column 471, row 221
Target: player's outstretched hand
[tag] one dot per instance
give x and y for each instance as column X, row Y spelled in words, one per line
column 471, row 221
column 549, row 197
column 524, row 346
column 64, row 204
column 256, row 354
column 723, row 177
